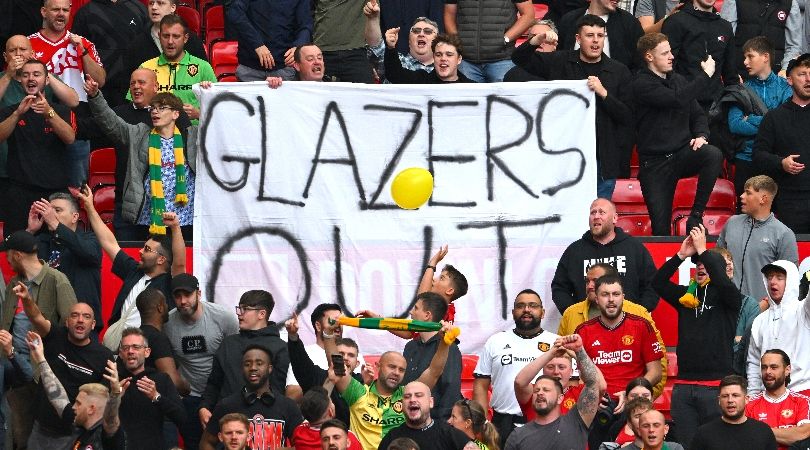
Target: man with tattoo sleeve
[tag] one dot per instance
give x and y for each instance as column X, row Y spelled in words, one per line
column 72, row 356
column 95, row 410
column 551, row 429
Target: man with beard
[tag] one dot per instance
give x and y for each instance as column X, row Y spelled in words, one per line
column 781, row 151
column 604, row 242
column 154, row 313
column 551, row 429
column 421, row 427
column 786, row 412
column 708, row 310
column 555, row 363
column 75, row 360
column 273, row 417
column 334, row 435
column 623, row 346
column 377, row 407
column 234, row 430
column 149, row 396
column 420, row 36
column 161, row 257
column 504, row 355
column 38, row 134
column 196, row 329
column 733, row 430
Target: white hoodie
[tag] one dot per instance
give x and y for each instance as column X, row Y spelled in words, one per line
column 785, row 326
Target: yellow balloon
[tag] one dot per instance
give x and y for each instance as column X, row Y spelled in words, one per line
column 412, row 188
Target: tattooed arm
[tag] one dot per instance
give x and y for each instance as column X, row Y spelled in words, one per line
column 53, row 388
column 110, row 420
column 595, row 385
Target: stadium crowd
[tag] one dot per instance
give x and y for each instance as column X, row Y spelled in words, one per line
column 693, row 91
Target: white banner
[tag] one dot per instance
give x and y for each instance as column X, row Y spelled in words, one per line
column 293, row 195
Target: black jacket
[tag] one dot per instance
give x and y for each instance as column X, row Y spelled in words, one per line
column 395, row 73
column 667, row 113
column 623, row 31
column 705, row 334
column 226, row 373
column 141, row 418
column 784, row 131
column 625, row 252
column 693, row 35
column 613, row 113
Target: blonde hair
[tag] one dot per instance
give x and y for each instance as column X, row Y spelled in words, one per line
column 762, row 183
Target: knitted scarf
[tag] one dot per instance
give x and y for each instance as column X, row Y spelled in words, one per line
column 689, row 299
column 156, row 179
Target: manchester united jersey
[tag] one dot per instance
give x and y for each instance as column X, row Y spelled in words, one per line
column 620, row 353
column 789, row 410
column 63, row 59
column 570, row 397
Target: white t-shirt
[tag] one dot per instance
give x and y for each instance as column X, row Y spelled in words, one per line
column 502, row 357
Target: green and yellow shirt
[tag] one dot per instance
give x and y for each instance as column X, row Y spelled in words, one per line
column 372, row 416
column 178, row 78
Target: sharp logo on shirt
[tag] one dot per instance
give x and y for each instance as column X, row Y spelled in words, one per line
column 265, row 434
column 596, row 343
column 781, row 15
column 619, row 262
column 543, row 347
column 397, row 407
column 173, row 87
column 193, row 69
column 619, row 356
column 396, row 420
column 787, row 413
column 627, row 339
column 193, row 344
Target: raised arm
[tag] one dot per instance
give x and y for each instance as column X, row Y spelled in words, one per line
column 66, row 94
column 595, row 384
column 90, row 58
column 372, row 31
column 110, row 124
column 41, row 325
column 523, row 380
column 431, row 375
column 171, row 220
column 105, row 237
column 329, row 346
column 110, row 420
column 8, row 125
column 53, row 388
column 450, row 11
column 524, row 22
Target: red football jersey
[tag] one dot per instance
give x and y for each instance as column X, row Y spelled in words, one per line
column 789, row 410
column 569, row 400
column 63, row 59
column 307, row 437
column 623, row 352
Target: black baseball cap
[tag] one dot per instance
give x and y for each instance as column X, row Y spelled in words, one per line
column 185, row 282
column 771, row 267
column 801, row 59
column 22, row 241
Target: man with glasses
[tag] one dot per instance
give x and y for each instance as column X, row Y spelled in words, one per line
column 196, row 330
column 149, row 396
column 504, row 355
column 420, row 38
column 255, row 328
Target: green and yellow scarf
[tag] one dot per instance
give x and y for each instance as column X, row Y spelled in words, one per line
column 689, row 299
column 156, row 179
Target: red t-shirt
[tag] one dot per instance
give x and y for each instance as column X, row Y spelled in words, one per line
column 570, row 397
column 624, row 437
column 623, row 352
column 63, row 59
column 307, row 437
column 789, row 410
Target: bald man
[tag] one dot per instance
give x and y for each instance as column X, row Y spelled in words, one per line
column 604, row 242
column 142, row 87
column 652, row 429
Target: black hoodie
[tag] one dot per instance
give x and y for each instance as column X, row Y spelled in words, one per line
column 626, row 253
column 693, row 35
column 226, row 373
column 784, row 131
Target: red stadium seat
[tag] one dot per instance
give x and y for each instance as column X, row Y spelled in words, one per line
column 224, row 61
column 718, row 5
column 672, row 367
column 104, row 202
column 664, row 402
column 722, row 202
column 101, row 168
column 628, row 198
column 468, row 363
column 191, row 16
column 635, row 224
column 714, row 224
column 634, row 164
column 214, row 24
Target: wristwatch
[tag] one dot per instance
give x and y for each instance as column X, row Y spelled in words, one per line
column 506, row 39
column 157, row 398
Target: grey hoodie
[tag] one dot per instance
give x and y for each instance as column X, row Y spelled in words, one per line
column 785, row 326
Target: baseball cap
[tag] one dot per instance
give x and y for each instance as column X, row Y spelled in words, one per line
column 185, row 282
column 796, row 61
column 21, row 240
column 771, row 267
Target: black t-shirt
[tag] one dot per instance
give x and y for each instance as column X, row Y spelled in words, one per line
column 36, row 155
column 272, row 418
column 721, row 435
column 437, row 436
column 591, row 69
column 126, row 268
column 74, row 366
column 96, row 439
column 159, row 344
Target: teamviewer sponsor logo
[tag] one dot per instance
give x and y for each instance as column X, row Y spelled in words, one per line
column 618, row 356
